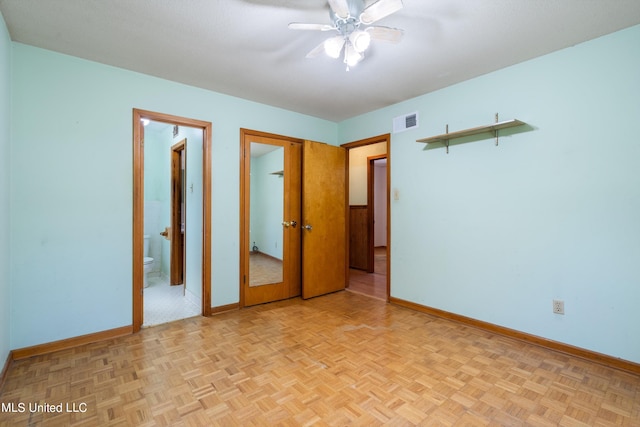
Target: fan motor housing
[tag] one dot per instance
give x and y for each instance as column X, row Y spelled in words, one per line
column 355, row 10
column 352, row 22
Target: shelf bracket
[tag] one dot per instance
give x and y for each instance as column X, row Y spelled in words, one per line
column 446, row 141
column 496, row 131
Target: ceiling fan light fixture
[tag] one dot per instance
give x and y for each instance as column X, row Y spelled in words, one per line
column 360, row 40
column 351, row 20
column 333, row 46
column 352, row 56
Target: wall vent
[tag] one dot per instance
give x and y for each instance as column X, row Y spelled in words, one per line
column 405, row 122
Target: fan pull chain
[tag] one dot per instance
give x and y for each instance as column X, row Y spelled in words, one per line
column 346, row 45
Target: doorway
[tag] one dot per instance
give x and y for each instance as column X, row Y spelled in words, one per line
column 200, row 189
column 377, row 196
column 369, row 215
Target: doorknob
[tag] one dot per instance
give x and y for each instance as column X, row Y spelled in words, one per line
column 294, row 223
column 307, row 227
column 286, row 223
column 166, row 232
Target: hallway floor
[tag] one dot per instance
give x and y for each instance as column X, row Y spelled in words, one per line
column 341, row 359
column 371, row 284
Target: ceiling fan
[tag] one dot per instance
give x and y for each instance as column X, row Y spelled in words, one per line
column 353, row 23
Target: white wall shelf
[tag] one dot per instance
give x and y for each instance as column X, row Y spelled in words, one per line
column 490, row 128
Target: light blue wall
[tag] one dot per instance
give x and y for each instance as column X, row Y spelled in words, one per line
column 157, row 195
column 71, row 188
column 156, row 158
column 497, row 233
column 5, row 166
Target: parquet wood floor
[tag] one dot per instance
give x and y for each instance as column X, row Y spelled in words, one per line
column 341, row 359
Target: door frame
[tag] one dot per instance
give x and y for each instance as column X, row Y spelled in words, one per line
column 386, row 138
column 138, row 208
column 244, row 209
column 371, row 209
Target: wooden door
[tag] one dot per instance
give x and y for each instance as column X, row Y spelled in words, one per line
column 270, row 231
column 324, row 213
column 178, row 214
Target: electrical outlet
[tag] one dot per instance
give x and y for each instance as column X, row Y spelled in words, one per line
column 558, row 306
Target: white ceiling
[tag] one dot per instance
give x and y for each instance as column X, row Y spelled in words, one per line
column 244, row 48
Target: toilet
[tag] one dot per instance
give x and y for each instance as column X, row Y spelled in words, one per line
column 148, row 261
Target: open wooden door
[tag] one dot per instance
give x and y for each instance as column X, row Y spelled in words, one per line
column 324, row 213
column 177, row 255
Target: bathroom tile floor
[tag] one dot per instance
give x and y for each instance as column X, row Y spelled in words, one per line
column 164, row 303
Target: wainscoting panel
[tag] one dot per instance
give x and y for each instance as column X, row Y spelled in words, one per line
column 358, row 237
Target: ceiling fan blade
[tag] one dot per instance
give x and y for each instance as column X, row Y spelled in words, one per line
column 385, row 34
column 379, row 10
column 316, row 51
column 331, row 46
column 317, row 27
column 340, row 8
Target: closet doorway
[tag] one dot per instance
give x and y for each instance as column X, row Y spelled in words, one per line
column 293, row 215
column 201, row 254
